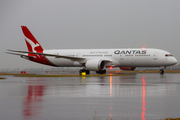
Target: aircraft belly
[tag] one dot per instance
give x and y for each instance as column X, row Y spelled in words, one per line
column 140, row 62
column 62, row 62
column 149, row 63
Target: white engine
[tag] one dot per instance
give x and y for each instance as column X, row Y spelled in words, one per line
column 95, row 65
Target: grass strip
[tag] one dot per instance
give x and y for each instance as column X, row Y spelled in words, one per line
column 146, row 71
column 114, row 73
column 95, row 75
column 171, row 119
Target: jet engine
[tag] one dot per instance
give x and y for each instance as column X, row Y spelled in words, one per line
column 95, row 65
column 127, row 68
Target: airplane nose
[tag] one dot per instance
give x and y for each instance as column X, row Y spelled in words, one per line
column 174, row 61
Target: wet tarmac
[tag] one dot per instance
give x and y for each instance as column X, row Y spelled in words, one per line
column 136, row 97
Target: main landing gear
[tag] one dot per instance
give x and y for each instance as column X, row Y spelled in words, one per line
column 84, row 70
column 88, row 72
column 101, row 71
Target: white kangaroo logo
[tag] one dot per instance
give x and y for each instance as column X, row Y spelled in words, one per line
column 31, row 43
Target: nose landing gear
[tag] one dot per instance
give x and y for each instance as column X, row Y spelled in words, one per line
column 161, row 71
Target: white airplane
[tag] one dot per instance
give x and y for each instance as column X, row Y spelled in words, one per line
column 94, row 59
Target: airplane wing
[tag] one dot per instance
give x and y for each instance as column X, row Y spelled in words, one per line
column 79, row 59
column 44, row 54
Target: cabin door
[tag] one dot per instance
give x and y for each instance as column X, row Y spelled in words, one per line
column 155, row 56
column 121, row 57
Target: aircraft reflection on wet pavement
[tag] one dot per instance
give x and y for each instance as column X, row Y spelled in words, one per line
column 140, row 96
column 32, row 102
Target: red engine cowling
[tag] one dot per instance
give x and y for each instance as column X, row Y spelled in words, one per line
column 127, row 68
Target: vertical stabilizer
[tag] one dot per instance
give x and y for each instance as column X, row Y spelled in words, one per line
column 32, row 44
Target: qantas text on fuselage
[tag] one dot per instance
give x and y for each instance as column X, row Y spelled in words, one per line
column 130, row 52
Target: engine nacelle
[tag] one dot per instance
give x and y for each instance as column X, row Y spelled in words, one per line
column 127, row 68
column 95, row 65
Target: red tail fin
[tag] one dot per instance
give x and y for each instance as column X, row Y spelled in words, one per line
column 32, row 44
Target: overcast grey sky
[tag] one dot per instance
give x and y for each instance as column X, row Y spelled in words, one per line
column 84, row 24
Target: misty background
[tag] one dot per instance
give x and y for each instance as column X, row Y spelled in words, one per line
column 81, row 24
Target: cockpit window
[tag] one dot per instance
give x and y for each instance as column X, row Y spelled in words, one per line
column 168, row 55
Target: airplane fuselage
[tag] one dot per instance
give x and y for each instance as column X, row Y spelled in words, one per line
column 118, row 57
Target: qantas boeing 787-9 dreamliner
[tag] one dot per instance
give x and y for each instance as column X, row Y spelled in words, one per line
column 94, row 59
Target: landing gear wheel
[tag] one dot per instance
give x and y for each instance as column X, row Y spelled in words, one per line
column 80, row 71
column 101, row 72
column 161, row 72
column 87, row 72
column 104, row 71
column 97, row 72
column 83, row 70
